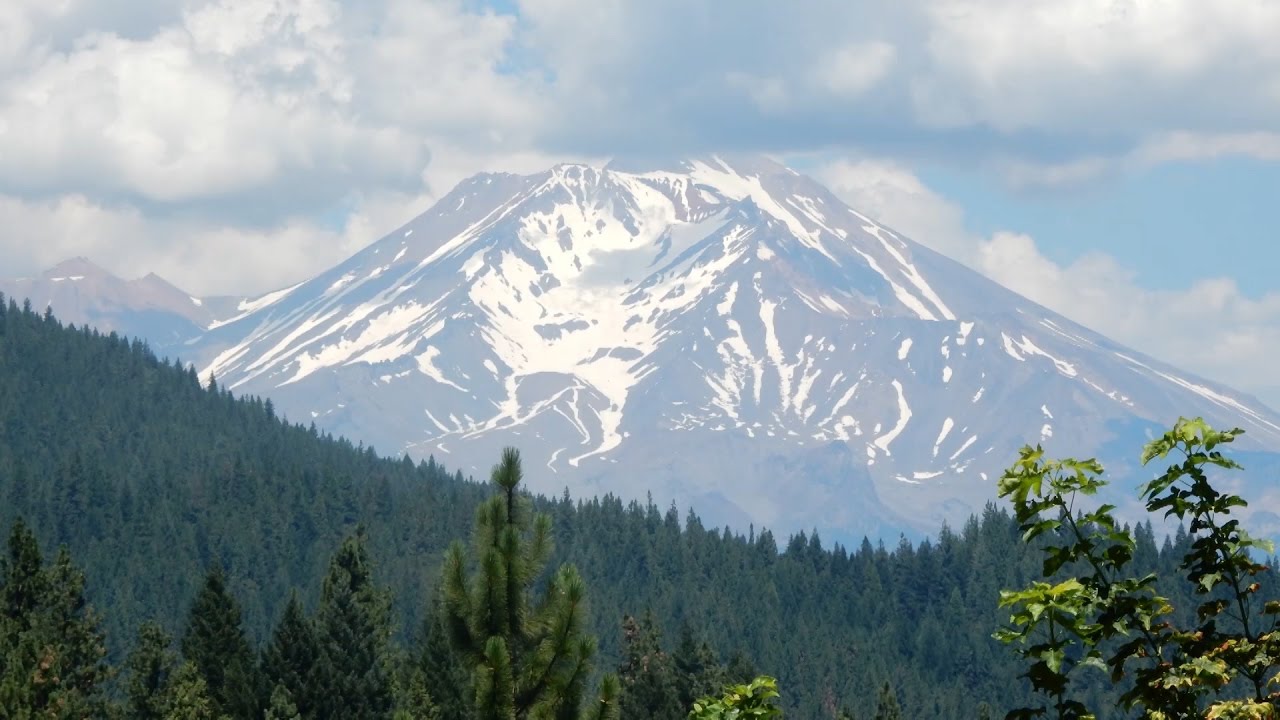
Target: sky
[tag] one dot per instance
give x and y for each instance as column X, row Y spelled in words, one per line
column 1115, row 160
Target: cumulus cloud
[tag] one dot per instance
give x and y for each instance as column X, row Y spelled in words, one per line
column 188, row 136
column 238, row 145
column 1210, row 327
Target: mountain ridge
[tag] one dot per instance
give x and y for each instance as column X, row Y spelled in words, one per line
column 810, row 366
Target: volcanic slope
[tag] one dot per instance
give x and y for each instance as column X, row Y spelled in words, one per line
column 721, row 332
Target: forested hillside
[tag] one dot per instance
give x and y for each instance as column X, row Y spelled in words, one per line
column 150, row 479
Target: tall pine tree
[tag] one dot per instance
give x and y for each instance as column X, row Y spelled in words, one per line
column 887, row 704
column 215, row 644
column 291, row 658
column 442, row 669
column 353, row 628
column 528, row 660
column 51, row 650
column 151, row 666
column 647, row 673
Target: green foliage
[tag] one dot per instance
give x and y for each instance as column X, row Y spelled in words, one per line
column 529, row 660
column 354, row 630
column 144, row 474
column 647, row 674
column 151, row 666
column 51, row 651
column 214, row 642
column 290, row 660
column 887, row 707
column 442, row 670
column 189, row 698
column 414, row 698
column 281, row 705
column 753, row 701
column 1092, row 611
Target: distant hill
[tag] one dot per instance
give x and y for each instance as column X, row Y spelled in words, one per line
column 83, row 293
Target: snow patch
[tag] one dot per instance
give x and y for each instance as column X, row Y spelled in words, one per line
column 946, row 430
column 904, row 416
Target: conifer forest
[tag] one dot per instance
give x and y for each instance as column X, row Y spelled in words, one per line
column 176, row 551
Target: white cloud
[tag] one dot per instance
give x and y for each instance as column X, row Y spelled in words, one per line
column 1210, row 328
column 156, row 133
column 205, row 140
column 854, row 69
column 1099, row 66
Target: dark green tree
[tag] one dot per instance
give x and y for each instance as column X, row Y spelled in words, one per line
column 887, row 707
column 354, row 630
column 443, row 670
column 151, row 666
column 528, row 660
column 280, row 706
column 215, row 644
column 51, row 650
column 647, row 674
column 413, row 697
column 291, row 659
column 698, row 671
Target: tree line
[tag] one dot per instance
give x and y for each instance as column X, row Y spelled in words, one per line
column 147, row 477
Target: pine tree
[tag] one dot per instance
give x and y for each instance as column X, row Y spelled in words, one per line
column 647, row 673
column 442, row 670
column 887, row 704
column 189, row 697
column 51, row 650
column 281, row 706
column 215, row 643
column 291, row 658
column 528, row 660
column 414, row 698
column 353, row 629
column 151, row 666
column 697, row 669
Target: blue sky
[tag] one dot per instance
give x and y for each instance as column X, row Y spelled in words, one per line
column 1094, row 155
column 1170, row 225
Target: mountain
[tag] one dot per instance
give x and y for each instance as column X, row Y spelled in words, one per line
column 80, row 292
column 721, row 332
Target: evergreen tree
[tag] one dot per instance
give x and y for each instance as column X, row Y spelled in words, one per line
column 413, row 700
column 353, row 629
column 216, row 645
column 189, row 697
column 698, row 672
column 647, row 674
column 280, row 706
column 51, row 650
column 290, row 660
column 887, row 704
column 443, row 670
column 151, row 666
column 529, row 660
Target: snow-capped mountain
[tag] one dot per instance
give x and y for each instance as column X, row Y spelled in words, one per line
column 80, row 292
column 718, row 332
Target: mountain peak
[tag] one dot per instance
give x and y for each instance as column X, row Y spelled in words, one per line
column 794, row 355
column 77, row 267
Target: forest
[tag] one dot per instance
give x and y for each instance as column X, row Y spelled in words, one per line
column 192, row 554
